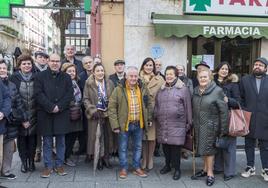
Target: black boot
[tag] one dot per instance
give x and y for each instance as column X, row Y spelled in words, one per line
column 24, row 166
column 31, row 166
column 100, row 165
column 177, row 175
column 165, row 169
column 106, row 163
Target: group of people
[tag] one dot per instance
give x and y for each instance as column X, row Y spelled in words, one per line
column 48, row 104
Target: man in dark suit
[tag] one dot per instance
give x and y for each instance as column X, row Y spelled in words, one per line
column 119, row 66
column 254, row 92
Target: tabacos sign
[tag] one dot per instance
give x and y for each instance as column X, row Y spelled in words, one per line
column 227, row 7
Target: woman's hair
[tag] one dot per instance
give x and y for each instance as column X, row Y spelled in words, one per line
column 146, row 60
column 66, row 66
column 210, row 74
column 171, row 67
column 24, row 57
column 98, row 65
column 217, row 69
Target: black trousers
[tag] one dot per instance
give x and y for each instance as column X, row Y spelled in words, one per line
column 250, row 144
column 27, row 146
column 82, row 136
column 172, row 155
column 69, row 143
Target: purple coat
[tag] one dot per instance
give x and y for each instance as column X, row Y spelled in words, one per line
column 173, row 112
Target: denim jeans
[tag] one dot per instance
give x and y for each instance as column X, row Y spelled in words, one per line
column 135, row 132
column 47, row 151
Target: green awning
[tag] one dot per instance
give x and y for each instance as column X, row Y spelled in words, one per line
column 209, row 26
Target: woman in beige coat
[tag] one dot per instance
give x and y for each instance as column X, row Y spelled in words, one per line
column 96, row 94
column 153, row 83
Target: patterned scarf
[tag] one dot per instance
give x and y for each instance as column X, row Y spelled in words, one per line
column 77, row 92
column 102, row 96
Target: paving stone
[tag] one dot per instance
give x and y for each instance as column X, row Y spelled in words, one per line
column 24, row 185
column 71, row 184
column 168, row 184
column 118, row 184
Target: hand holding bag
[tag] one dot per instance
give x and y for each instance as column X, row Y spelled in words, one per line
column 239, row 122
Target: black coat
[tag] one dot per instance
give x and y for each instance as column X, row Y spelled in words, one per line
column 210, row 118
column 231, row 90
column 115, row 79
column 53, row 89
column 18, row 113
column 257, row 103
column 83, row 76
column 25, row 89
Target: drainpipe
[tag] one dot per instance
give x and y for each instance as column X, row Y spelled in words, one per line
column 95, row 28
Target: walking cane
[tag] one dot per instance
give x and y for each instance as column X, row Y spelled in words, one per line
column 193, row 161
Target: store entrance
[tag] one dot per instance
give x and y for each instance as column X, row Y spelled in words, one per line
column 238, row 52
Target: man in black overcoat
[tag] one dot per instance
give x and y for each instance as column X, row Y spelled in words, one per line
column 254, row 95
column 54, row 92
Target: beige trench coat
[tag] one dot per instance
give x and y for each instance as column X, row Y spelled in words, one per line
column 153, row 86
column 90, row 100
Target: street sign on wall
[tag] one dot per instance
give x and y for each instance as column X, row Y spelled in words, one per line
column 227, row 7
column 5, row 7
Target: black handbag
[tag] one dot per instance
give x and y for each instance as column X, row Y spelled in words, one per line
column 222, row 142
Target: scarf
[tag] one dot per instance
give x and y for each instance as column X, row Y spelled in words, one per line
column 77, row 92
column 102, row 103
column 146, row 77
column 27, row 77
column 41, row 67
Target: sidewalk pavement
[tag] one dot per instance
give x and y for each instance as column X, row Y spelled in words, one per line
column 81, row 176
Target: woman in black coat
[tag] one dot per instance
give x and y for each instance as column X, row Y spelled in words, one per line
column 210, row 119
column 24, row 80
column 225, row 159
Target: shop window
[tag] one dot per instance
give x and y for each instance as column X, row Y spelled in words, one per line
column 238, row 52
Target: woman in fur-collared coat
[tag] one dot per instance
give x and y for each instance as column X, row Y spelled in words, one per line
column 153, row 82
column 96, row 94
column 225, row 159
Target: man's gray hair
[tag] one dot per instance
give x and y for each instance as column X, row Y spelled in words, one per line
column 131, row 68
column 86, row 58
column 181, row 66
column 69, row 46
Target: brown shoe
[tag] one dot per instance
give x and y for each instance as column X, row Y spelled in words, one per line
column 37, row 157
column 46, row 173
column 139, row 172
column 60, row 171
column 123, row 174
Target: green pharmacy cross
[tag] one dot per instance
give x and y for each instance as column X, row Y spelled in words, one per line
column 5, row 7
column 200, row 5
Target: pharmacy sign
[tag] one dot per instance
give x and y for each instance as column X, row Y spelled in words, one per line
column 227, row 7
column 6, row 5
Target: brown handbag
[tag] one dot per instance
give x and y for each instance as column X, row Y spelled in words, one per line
column 189, row 139
column 239, row 122
column 75, row 112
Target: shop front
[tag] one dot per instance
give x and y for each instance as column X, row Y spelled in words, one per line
column 234, row 36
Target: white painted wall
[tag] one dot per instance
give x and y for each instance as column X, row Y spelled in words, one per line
column 140, row 36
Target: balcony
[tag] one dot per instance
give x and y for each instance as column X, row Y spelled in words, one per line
column 8, row 31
